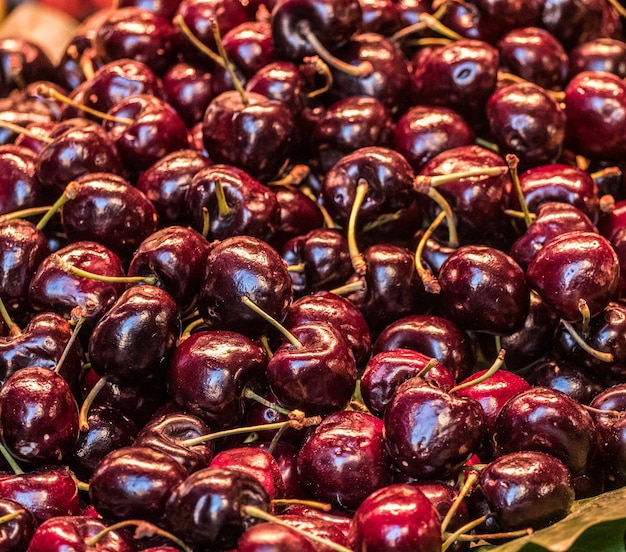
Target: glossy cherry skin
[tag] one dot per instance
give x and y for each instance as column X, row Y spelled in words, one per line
column 39, row 416
column 333, row 25
column 252, row 207
column 166, row 433
column 109, row 210
column 16, row 533
column 600, row 54
column 134, row 482
column 109, row 429
column 546, row 420
column 22, row 247
column 208, row 372
column 299, row 214
column 165, row 183
column 397, row 517
column 272, row 537
column 175, row 256
column 207, row 509
column 386, row 370
column 461, row 75
column 256, row 136
column 525, row 120
column 77, row 147
column 389, row 178
column 324, row 306
column 535, row 55
column 344, row 459
column 156, row 130
column 317, row 378
column 434, row 336
column 53, row 288
column 575, row 266
column 430, row 433
column 136, row 33
column 134, row 341
column 381, row 16
column 483, row 289
column 282, row 81
column 244, row 266
column 349, row 124
column 17, row 167
column 47, row 492
column 255, row 461
column 527, row 489
column 22, row 61
column 189, row 90
column 72, row 532
column 424, row 131
column 594, row 104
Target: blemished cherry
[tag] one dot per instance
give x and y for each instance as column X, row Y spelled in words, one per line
column 134, row 482
column 572, row 267
column 397, row 517
column 527, row 489
column 344, row 459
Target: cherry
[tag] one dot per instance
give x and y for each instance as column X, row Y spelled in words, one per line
column 429, row 432
column 272, row 537
column 396, row 517
column 600, row 54
column 483, row 289
column 344, row 459
column 208, row 508
column 546, row 420
column 18, row 525
column 575, row 266
column 134, row 482
column 189, row 90
column 527, row 489
column 218, row 361
column 22, row 61
column 381, row 16
column 18, row 166
column 38, row 415
column 299, row 214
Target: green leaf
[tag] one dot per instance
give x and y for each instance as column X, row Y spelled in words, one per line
column 594, row 525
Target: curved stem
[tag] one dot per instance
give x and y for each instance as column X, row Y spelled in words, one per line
column 145, row 529
column 583, row 308
column 83, row 414
column 296, row 176
column 227, row 64
column 181, row 25
column 189, row 328
column 347, row 289
column 67, row 267
column 437, row 26
column 497, row 364
column 513, row 161
column 250, row 394
column 286, row 333
column 70, row 192
column 431, row 285
column 15, row 467
column 223, row 208
column 600, row 355
column 453, row 238
column 321, row 68
column 358, row 263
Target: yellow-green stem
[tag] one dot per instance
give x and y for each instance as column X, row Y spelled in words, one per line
column 286, row 333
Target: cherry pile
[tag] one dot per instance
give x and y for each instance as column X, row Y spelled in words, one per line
column 311, row 275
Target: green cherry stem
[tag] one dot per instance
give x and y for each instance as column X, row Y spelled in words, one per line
column 600, row 355
column 453, row 537
column 70, row 192
column 258, row 310
column 79, row 316
column 145, row 529
column 222, row 205
column 24, row 131
column 68, row 267
column 227, row 64
column 497, row 364
column 470, row 480
column 15, row 467
column 296, row 176
column 182, row 26
column 83, row 414
column 426, row 368
column 10, row 517
column 513, row 162
column 358, row 263
column 250, row 394
column 14, row 329
column 418, row 26
column 323, row 506
column 431, row 285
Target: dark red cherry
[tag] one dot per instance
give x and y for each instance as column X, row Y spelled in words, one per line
column 527, row 489
column 22, row 61
column 166, row 8
column 272, row 537
column 134, row 482
column 244, row 266
column 38, row 415
column 397, row 517
column 16, row 533
column 281, row 81
column 600, row 54
column 208, row 511
column 189, row 90
column 222, row 363
column 573, row 267
column 22, row 190
column 546, row 420
column 429, row 432
column 299, row 214
column 344, row 459
column 381, row 16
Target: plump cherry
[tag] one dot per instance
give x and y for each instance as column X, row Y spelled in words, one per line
column 272, row 537
column 189, row 90
column 23, row 190
column 16, row 533
column 22, row 62
column 600, row 54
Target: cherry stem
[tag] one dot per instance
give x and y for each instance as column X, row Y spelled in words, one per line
column 297, row 421
column 79, row 317
column 295, row 177
column 297, row 268
column 453, row 238
column 453, row 537
column 265, row 343
column 70, row 192
column 431, row 22
column 321, row 68
column 68, row 267
column 513, row 162
column 491, row 536
column 277, row 437
column 470, row 479
column 25, row 213
column 351, row 287
column 189, row 328
column 86, row 63
column 583, row 308
column 82, row 486
column 519, row 214
column 323, row 506
column 426, row 368
column 431, row 285
column 227, row 64
column 358, row 263
column 253, row 511
column 286, row 333
column 206, row 222
column 182, row 26
column 618, row 7
column 328, row 221
column 250, row 394
column 14, row 329
column 423, row 181
column 24, row 131
column 15, row 467
column 497, row 364
column 49, row 92
column 222, row 205
column 600, row 412
column 10, row 517
column 418, row 26
column 606, row 172
column 83, row 414
column 364, row 69
column 600, row 355
column 503, row 76
column 145, row 529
